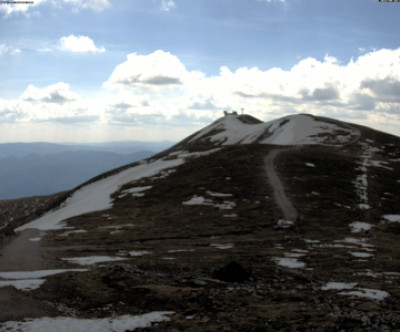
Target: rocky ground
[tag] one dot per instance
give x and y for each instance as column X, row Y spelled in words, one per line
column 336, row 268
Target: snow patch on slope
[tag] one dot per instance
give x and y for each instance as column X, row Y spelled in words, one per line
column 96, row 196
column 90, row 260
column 347, row 289
column 23, row 284
column 290, row 262
column 358, row 226
column 290, row 130
column 200, row 200
column 361, row 182
column 69, row 324
column 392, row 217
column 136, row 191
column 29, row 280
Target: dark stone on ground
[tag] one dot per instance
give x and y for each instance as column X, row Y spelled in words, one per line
column 232, row 272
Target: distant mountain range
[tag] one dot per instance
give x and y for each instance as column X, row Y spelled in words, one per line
column 32, row 169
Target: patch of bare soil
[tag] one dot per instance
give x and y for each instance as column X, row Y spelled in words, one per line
column 23, row 253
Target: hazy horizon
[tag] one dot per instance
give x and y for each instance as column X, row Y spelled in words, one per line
column 90, row 143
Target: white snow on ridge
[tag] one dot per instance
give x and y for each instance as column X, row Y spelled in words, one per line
column 69, row 324
column 96, row 196
column 299, row 130
column 290, row 130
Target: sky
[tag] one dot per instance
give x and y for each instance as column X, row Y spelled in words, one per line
column 151, row 70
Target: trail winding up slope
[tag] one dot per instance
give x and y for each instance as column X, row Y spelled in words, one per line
column 288, row 210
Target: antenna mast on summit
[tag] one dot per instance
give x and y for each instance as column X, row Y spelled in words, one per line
column 242, row 109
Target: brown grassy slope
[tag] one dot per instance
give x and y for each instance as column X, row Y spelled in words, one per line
column 181, row 247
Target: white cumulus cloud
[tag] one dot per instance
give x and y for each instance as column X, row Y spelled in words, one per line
column 156, row 90
column 79, row 44
column 154, row 71
column 53, row 107
column 365, row 89
column 58, row 93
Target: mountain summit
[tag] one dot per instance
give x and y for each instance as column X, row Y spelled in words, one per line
column 301, row 129
column 291, row 225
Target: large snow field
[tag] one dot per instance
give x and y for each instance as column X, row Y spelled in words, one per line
column 96, row 196
column 69, row 324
